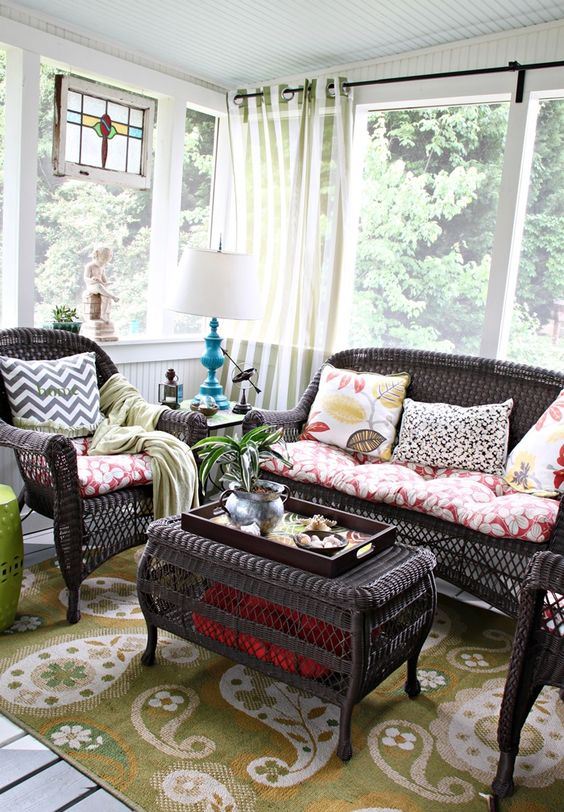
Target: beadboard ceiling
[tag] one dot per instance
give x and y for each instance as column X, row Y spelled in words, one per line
column 238, row 42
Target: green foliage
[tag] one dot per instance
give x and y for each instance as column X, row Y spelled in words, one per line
column 239, row 459
column 73, row 216
column 429, row 198
column 64, row 313
column 421, row 254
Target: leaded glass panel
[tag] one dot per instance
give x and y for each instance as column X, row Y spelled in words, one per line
column 102, row 132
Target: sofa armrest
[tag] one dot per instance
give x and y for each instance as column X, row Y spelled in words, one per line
column 186, row 426
column 556, row 543
column 291, row 420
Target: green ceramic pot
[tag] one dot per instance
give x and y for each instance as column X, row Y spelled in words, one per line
column 11, row 556
column 70, row 326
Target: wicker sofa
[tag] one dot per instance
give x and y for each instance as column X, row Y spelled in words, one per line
column 87, row 531
column 492, row 568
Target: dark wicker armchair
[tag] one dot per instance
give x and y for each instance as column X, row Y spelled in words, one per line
column 87, row 531
column 537, row 658
column 490, row 568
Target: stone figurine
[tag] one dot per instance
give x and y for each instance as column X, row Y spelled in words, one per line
column 97, row 298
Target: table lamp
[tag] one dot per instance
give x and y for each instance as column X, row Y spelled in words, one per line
column 222, row 283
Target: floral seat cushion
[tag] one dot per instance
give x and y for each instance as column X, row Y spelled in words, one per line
column 313, row 462
column 98, row 475
column 481, row 502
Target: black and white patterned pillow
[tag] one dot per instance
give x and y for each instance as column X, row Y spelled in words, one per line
column 445, row 436
column 59, row 396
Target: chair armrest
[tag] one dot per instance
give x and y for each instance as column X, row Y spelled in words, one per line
column 46, row 460
column 47, row 463
column 556, row 542
column 186, row 426
column 34, row 442
column 545, row 572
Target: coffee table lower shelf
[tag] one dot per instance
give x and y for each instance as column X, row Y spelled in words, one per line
column 336, row 638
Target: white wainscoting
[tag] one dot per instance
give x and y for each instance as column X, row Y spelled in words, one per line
column 146, row 375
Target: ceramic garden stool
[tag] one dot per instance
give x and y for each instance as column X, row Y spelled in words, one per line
column 11, row 556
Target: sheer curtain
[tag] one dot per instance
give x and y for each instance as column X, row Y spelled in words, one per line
column 291, row 162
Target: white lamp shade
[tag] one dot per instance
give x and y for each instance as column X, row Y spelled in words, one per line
column 217, row 283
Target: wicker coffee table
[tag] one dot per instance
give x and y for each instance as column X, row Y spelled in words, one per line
column 336, row 638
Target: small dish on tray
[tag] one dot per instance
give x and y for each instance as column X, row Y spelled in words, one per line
column 325, row 542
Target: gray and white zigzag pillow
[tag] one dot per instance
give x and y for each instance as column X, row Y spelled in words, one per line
column 59, row 396
column 473, row 438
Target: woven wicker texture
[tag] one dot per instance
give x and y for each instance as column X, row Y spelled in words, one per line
column 87, row 531
column 370, row 620
column 492, row 569
column 537, row 657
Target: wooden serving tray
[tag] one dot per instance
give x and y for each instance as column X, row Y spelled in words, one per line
column 366, row 537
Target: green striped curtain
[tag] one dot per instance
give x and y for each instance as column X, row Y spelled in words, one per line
column 291, row 164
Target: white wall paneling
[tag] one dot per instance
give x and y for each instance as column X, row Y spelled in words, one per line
column 147, row 376
column 537, row 43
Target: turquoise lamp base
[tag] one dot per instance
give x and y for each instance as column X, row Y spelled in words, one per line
column 212, row 359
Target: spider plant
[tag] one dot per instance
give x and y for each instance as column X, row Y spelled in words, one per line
column 63, row 314
column 240, row 458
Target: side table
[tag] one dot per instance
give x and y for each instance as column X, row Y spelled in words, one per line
column 336, row 638
column 222, row 419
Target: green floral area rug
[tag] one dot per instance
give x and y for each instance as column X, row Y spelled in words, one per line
column 196, row 732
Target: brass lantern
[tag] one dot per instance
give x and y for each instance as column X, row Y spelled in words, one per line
column 171, row 392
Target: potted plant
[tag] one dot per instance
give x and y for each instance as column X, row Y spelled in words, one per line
column 248, row 499
column 66, row 318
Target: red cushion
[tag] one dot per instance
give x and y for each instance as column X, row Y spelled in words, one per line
column 274, row 616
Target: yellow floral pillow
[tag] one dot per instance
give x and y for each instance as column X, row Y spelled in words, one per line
column 536, row 464
column 357, row 411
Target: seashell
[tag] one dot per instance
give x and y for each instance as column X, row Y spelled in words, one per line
column 319, row 522
column 365, row 440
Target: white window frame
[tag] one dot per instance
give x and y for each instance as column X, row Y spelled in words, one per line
column 26, row 48
column 514, row 185
column 80, row 171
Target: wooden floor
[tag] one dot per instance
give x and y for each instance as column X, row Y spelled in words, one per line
column 35, row 779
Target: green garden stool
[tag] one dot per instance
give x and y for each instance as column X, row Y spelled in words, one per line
column 11, row 556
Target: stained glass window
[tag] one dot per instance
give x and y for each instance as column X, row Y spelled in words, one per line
column 100, row 132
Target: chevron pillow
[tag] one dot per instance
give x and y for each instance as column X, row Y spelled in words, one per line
column 59, row 396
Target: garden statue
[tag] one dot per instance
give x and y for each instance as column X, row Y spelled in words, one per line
column 97, row 298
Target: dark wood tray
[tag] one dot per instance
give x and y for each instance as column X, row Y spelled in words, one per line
column 376, row 536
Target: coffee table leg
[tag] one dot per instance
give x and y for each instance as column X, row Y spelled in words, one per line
column 148, row 657
column 344, row 747
column 412, row 685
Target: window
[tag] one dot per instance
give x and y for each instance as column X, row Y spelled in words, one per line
column 429, row 198
column 195, row 207
column 102, row 133
column 72, row 218
column 537, row 325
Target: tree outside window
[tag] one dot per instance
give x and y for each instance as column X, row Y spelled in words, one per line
column 429, row 199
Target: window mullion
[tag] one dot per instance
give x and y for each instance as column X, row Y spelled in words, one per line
column 510, row 221
column 165, row 214
column 20, row 186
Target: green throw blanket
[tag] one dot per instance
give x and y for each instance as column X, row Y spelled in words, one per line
column 129, row 428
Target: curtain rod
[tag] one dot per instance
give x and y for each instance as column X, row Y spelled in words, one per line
column 511, row 67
